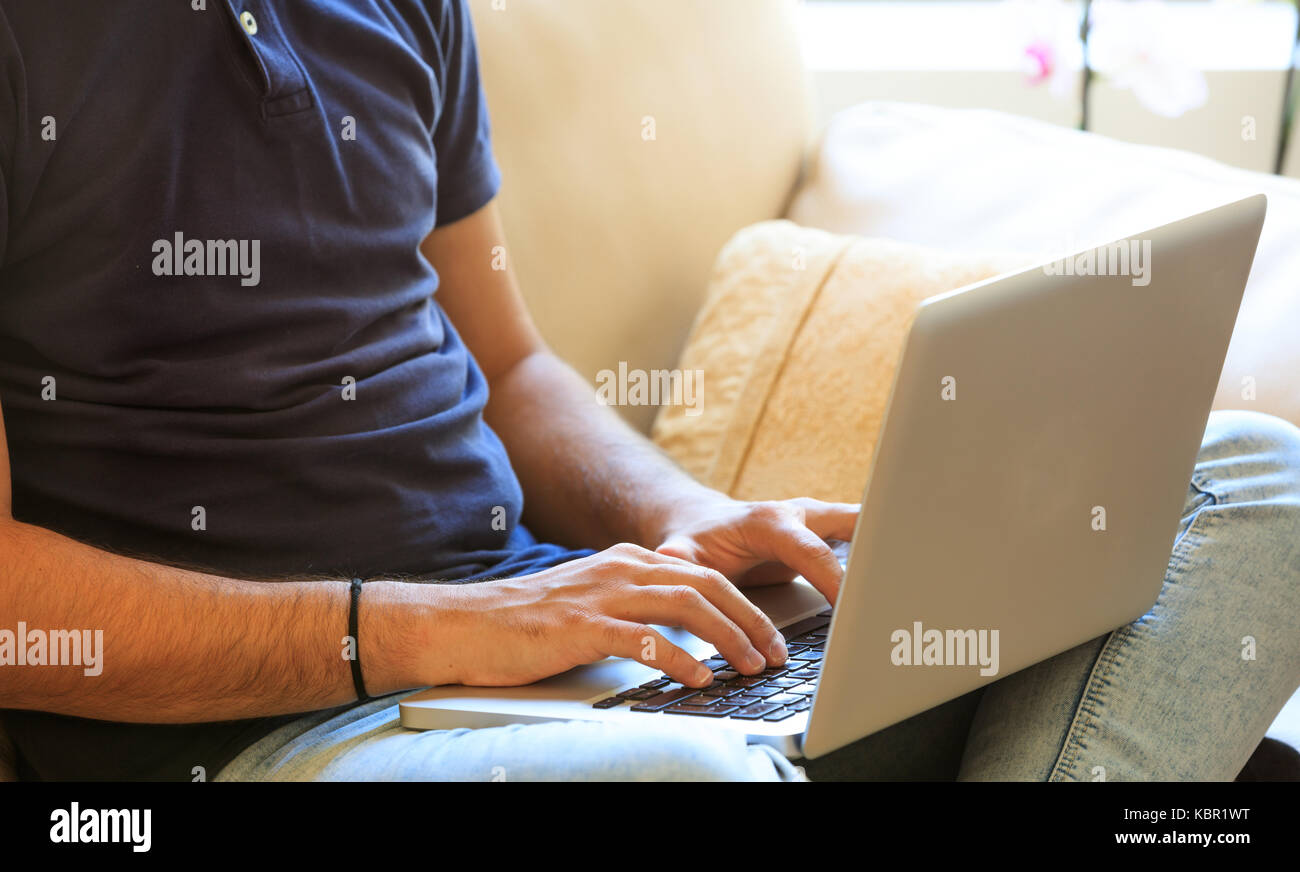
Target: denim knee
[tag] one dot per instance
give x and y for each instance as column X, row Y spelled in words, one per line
column 1249, row 456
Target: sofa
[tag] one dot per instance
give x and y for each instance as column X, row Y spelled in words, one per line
column 636, row 137
column 614, row 235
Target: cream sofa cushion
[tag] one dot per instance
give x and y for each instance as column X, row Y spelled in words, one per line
column 612, row 233
column 974, row 180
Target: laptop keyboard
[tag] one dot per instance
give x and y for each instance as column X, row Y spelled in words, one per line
column 774, row 694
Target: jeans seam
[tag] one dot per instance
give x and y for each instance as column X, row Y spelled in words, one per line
column 1089, row 708
column 1092, row 700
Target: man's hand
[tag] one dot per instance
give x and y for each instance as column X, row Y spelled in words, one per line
column 763, row 543
column 516, row 631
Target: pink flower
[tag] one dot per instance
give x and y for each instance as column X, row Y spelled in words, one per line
column 1042, row 58
column 1048, row 33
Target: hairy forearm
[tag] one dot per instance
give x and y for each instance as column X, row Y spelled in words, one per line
column 589, row 480
column 181, row 646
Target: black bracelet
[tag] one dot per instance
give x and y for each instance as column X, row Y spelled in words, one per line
column 357, row 681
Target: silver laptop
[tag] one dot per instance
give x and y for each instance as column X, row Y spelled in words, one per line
column 1024, row 498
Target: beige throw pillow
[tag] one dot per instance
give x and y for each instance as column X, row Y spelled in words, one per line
column 796, row 345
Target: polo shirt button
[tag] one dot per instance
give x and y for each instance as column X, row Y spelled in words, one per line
column 249, row 22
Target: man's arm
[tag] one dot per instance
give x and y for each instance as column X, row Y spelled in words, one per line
column 588, row 478
column 564, row 446
column 182, row 646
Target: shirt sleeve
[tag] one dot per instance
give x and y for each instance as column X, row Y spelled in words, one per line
column 468, row 176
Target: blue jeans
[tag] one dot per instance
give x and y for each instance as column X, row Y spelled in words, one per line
column 1184, row 693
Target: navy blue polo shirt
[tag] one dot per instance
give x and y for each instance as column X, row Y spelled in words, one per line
column 220, row 345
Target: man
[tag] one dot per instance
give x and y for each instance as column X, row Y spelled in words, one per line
column 248, row 326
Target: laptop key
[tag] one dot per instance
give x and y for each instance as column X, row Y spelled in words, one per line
column 665, row 699
column 701, row 700
column 743, row 699
column 714, row 711
column 720, row 690
column 784, row 699
column 780, row 715
column 657, row 684
column 725, row 674
column 785, row 681
column 608, row 702
column 638, row 693
column 755, row 711
column 804, row 689
column 804, row 674
column 801, row 706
